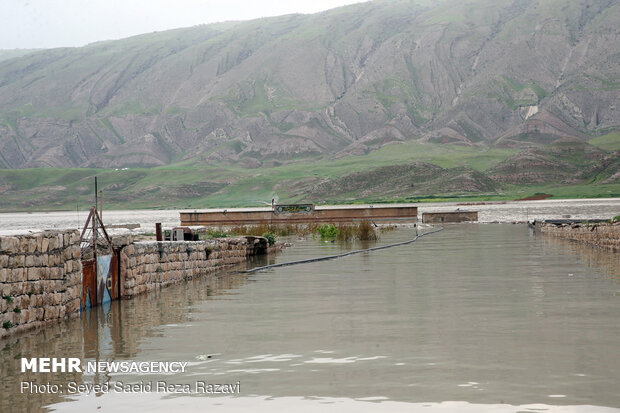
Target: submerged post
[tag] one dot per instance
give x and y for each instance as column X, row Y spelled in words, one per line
column 158, row 231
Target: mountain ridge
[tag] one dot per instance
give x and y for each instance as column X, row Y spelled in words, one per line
column 337, row 83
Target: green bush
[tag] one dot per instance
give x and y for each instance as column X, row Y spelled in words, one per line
column 328, row 231
column 271, row 237
column 616, row 218
column 7, row 324
column 217, row 234
column 17, row 310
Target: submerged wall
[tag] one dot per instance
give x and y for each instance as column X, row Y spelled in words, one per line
column 449, row 217
column 40, row 279
column 41, row 274
column 319, row 214
column 146, row 266
column 602, row 235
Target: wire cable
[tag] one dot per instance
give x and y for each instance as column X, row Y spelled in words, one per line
column 331, row 257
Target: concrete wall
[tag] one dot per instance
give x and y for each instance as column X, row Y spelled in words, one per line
column 40, row 279
column 321, row 214
column 603, row 235
column 447, row 217
column 146, row 266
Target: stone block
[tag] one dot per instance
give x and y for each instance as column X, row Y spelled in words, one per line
column 72, row 306
column 39, row 240
column 9, row 316
column 23, row 301
column 67, row 254
column 40, row 260
column 9, row 245
column 17, row 260
column 55, row 273
column 73, row 279
column 16, row 274
column 58, row 285
column 50, row 313
column 29, row 262
column 45, row 243
column 32, row 245
column 4, row 260
column 33, row 274
column 17, row 288
column 75, row 238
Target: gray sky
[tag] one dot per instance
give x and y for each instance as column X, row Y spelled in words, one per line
column 59, row 23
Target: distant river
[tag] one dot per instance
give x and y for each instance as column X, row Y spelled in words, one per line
column 476, row 318
column 12, row 223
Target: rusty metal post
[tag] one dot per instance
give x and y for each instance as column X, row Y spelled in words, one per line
column 158, row 231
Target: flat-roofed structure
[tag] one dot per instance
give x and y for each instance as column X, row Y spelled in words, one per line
column 449, row 216
column 302, row 213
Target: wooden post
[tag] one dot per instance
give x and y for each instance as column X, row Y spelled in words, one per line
column 158, row 231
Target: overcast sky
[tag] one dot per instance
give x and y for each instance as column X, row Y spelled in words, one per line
column 59, row 23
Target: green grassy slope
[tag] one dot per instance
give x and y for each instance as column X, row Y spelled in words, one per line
column 193, row 184
column 611, row 141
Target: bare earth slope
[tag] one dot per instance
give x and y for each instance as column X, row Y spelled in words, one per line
column 510, row 73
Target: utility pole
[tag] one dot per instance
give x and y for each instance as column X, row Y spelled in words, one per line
column 95, row 228
column 101, row 204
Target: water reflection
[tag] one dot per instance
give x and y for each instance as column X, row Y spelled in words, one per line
column 607, row 261
column 109, row 333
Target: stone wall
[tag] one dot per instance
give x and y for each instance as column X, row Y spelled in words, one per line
column 40, row 279
column 146, row 266
column 41, row 274
column 603, row 235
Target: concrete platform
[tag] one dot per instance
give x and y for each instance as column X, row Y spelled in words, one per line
column 317, row 214
column 449, row 217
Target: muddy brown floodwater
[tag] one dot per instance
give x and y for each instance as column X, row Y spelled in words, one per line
column 476, row 318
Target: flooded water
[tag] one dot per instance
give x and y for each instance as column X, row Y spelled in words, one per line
column 515, row 211
column 476, row 318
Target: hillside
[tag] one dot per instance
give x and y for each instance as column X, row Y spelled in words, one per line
column 405, row 172
column 479, row 73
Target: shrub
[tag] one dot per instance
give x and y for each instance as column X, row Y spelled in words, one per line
column 328, row 231
column 7, row 324
column 271, row 237
column 217, row 234
column 366, row 231
column 346, row 232
column 17, row 309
